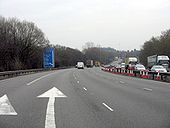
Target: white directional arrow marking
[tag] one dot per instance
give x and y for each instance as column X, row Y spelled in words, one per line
column 50, row 115
column 6, row 107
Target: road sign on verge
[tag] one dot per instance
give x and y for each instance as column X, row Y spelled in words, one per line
column 48, row 58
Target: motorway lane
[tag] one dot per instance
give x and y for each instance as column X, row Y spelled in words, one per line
column 95, row 99
column 30, row 109
column 137, row 83
column 140, row 107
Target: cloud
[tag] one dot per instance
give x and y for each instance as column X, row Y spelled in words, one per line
column 108, row 22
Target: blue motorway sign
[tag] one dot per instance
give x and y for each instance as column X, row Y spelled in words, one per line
column 48, row 58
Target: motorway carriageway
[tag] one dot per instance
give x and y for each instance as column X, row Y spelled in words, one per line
column 89, row 98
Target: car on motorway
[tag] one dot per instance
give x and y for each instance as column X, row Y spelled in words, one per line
column 117, row 66
column 80, row 65
column 122, row 65
column 140, row 67
column 158, row 68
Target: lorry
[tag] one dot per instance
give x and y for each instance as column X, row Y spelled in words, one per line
column 130, row 62
column 158, row 60
column 89, row 63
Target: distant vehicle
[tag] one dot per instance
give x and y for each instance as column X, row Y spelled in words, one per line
column 122, row 65
column 80, row 65
column 140, row 67
column 130, row 62
column 97, row 64
column 117, row 66
column 89, row 63
column 158, row 68
column 158, row 60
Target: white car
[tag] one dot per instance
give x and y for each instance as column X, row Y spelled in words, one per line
column 158, row 68
column 122, row 65
column 140, row 67
column 80, row 65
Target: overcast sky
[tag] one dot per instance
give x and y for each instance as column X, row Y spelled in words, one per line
column 121, row 24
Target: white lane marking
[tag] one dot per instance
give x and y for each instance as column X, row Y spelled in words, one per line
column 5, row 106
column 74, row 76
column 85, row 88
column 39, row 78
column 78, row 81
column 50, row 114
column 108, row 107
column 147, row 89
column 121, row 82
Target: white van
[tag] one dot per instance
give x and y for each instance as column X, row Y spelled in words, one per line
column 80, row 65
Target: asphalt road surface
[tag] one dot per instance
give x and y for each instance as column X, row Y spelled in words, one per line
column 89, row 98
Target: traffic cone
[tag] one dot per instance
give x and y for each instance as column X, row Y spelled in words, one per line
column 140, row 73
column 127, row 72
column 124, row 71
column 145, row 74
column 119, row 71
column 158, row 77
column 131, row 73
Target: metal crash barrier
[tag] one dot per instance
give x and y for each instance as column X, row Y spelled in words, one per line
column 9, row 74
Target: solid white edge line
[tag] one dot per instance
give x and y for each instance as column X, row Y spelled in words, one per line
column 147, row 89
column 85, row 88
column 39, row 78
column 108, row 107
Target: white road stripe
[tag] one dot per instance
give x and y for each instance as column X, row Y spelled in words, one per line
column 39, row 78
column 5, row 106
column 147, row 89
column 74, row 76
column 108, row 107
column 50, row 113
column 121, row 82
column 85, row 88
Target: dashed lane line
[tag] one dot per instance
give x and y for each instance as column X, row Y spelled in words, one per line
column 109, row 108
column 122, row 82
column 147, row 89
column 85, row 88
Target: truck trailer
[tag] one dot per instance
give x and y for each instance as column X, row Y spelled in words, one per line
column 158, row 60
column 89, row 63
column 130, row 62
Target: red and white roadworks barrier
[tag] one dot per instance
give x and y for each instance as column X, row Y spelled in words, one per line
column 144, row 74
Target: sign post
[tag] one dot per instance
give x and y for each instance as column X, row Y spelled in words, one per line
column 48, row 58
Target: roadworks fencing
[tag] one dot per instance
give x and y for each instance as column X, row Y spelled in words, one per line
column 143, row 74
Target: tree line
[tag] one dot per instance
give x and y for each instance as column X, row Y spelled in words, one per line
column 22, row 45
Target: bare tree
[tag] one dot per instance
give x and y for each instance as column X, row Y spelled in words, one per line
column 21, row 44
